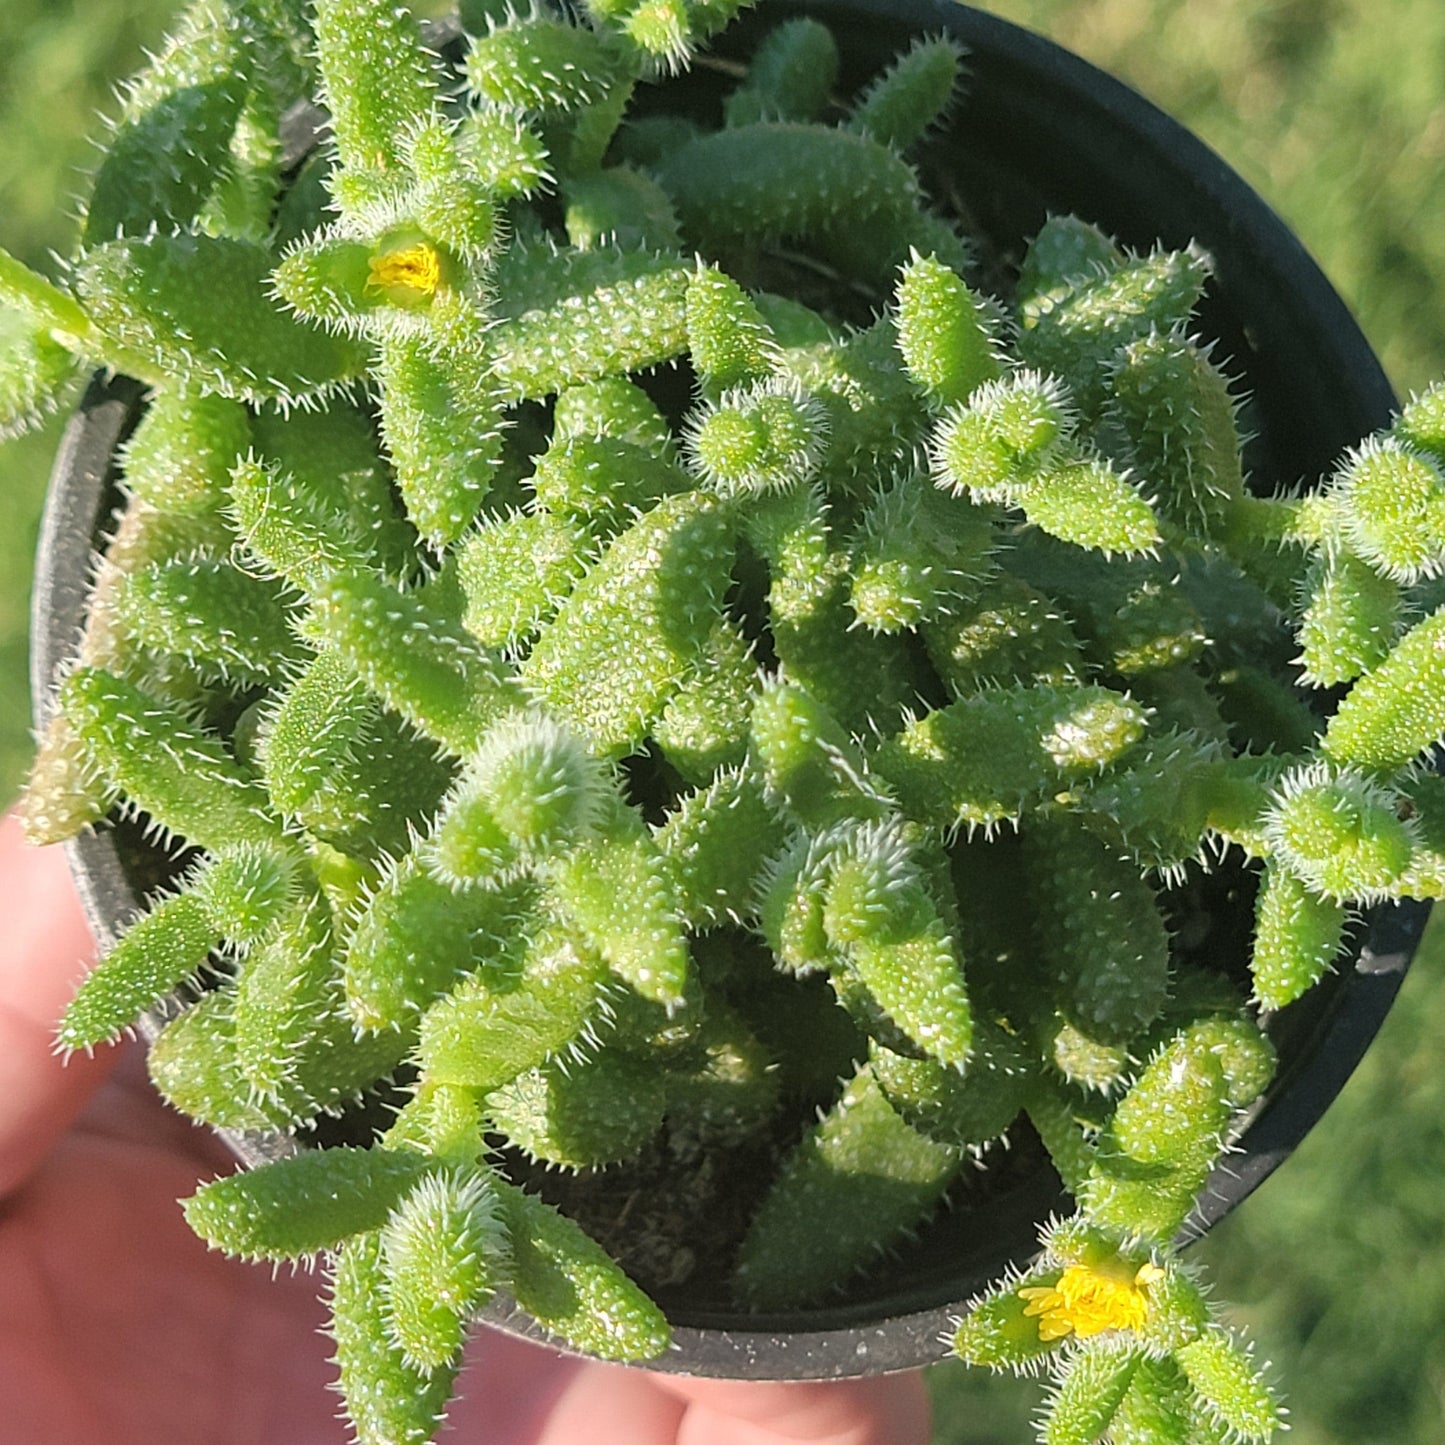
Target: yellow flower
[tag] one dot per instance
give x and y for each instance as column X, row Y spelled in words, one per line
column 415, row 268
column 1087, row 1301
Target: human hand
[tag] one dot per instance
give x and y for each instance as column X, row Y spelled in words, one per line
column 119, row 1327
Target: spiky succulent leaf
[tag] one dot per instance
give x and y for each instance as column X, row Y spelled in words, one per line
column 878, row 911
column 704, row 726
column 419, row 663
column 388, row 1400
column 943, row 333
column 620, row 894
column 514, row 573
column 198, row 308
column 790, row 76
column 542, row 64
column 571, row 317
column 998, row 1333
column 295, row 1208
column 714, row 842
column 529, row 792
column 787, row 179
column 183, row 777
column 1339, row 833
column 34, row 371
column 983, row 759
column 160, row 950
column 223, row 621
column 443, row 1249
column 730, row 341
column 181, row 454
column 919, row 554
column 441, row 421
column 489, row 1029
column 808, row 762
column 173, row 138
column 1086, row 1395
column 1297, row 936
column 601, row 1111
column 612, row 657
column 414, row 937
column 1077, row 331
column 570, row 1286
column 1099, row 929
column 1351, row 621
column 1178, row 411
column 379, row 84
column 960, row 1109
column 912, row 95
column 295, row 1044
column 194, row 1067
column 1230, row 1388
column 863, row 1169
column 603, row 481
column 758, row 439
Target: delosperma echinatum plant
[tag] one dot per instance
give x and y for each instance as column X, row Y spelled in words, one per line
column 603, row 689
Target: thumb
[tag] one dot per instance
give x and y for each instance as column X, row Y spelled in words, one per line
column 879, row 1410
column 44, row 946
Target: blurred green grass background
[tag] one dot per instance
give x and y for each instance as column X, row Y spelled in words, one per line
column 1335, row 111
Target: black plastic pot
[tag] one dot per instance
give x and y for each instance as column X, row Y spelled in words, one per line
column 1040, row 132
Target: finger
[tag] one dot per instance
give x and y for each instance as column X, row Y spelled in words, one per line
column 611, row 1405
column 118, row 1326
column 880, row 1410
column 44, row 946
column 507, row 1389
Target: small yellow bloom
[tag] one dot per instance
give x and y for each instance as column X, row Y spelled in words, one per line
column 410, row 268
column 1087, row 1301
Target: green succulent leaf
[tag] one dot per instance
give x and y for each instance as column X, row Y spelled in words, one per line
column 183, row 777
column 542, row 64
column 443, row 1248
column 173, row 138
column 788, row 179
column 298, row 1207
column 1297, row 936
column 1228, row 1385
column 573, row 317
column 414, row 937
column 790, row 77
column 199, row 308
column 619, row 893
column 572, row 1288
column 1087, row 1394
column 34, row 372
column 913, row 95
column 160, row 950
column 420, row 664
column 223, row 621
column 945, row 336
column 490, row 1028
column 863, row 1169
column 580, row 1116
column 389, row 1401
column 614, row 654
column 194, row 1067
column 379, row 84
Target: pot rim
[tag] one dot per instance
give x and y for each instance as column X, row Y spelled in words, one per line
column 833, row 1341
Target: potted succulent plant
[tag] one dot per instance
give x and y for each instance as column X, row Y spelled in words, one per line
column 691, row 673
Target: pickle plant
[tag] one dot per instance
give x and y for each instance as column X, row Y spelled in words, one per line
column 639, row 653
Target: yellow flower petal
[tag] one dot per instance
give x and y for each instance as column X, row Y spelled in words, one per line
column 1088, row 1301
column 411, row 268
